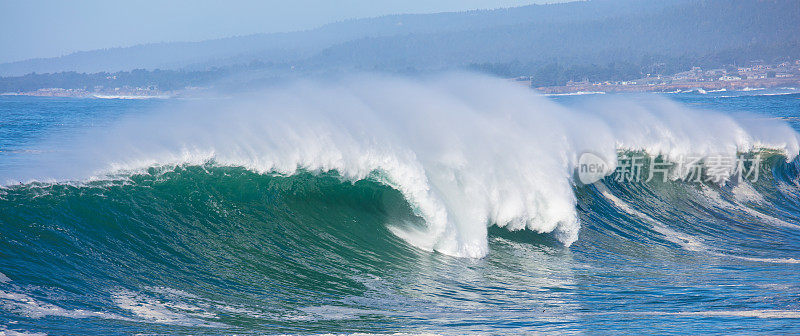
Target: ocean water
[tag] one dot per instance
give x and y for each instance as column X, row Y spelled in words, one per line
column 446, row 205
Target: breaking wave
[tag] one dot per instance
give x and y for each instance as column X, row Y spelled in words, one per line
column 466, row 152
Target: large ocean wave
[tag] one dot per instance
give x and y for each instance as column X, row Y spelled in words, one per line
column 220, row 248
column 465, row 151
column 314, row 207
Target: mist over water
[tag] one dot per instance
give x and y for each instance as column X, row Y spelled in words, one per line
column 447, row 204
column 466, row 151
column 362, row 178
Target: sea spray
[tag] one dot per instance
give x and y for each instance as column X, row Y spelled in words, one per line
column 465, row 150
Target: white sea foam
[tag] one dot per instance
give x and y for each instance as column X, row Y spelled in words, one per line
column 762, row 313
column 685, row 241
column 329, row 312
column 466, row 151
column 744, row 193
column 154, row 310
column 31, row 307
column 579, row 93
column 4, row 331
column 129, row 97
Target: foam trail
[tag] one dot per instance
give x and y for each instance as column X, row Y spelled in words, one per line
column 466, row 151
column 743, row 191
column 683, row 240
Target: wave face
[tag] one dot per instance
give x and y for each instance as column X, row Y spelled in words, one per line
column 314, row 208
column 465, row 151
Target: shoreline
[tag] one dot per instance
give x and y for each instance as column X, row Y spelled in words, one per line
column 561, row 90
column 710, row 86
column 66, row 93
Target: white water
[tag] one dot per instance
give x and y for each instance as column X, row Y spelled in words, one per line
column 467, row 151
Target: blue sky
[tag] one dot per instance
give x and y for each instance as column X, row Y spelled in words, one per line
column 46, row 28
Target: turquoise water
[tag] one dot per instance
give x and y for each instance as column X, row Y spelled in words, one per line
column 211, row 248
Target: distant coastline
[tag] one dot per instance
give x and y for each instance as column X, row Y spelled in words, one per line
column 136, row 93
column 755, row 76
column 738, row 85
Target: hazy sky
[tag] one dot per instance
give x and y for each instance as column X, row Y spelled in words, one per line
column 45, row 28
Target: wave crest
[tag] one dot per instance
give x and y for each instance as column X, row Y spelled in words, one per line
column 466, row 151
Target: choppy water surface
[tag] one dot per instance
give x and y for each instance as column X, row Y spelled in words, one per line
column 121, row 217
